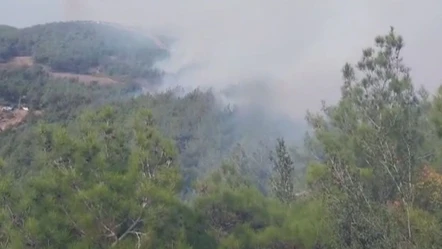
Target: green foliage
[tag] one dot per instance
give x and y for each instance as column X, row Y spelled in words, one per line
column 316, row 172
column 283, row 178
column 97, row 185
column 84, row 47
column 373, row 144
column 61, row 98
column 242, row 217
column 8, row 41
column 99, row 169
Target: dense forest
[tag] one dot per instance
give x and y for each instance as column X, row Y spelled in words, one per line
column 84, row 47
column 101, row 166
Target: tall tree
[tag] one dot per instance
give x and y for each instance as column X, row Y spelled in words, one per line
column 100, row 184
column 282, row 180
column 370, row 143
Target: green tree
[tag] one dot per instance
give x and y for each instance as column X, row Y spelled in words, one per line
column 100, row 184
column 240, row 216
column 282, row 180
column 371, row 146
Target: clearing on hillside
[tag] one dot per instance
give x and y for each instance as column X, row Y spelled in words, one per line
column 85, row 78
column 27, row 61
column 18, row 62
column 11, row 118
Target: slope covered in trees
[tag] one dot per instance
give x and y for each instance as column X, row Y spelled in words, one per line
column 84, row 48
column 102, row 169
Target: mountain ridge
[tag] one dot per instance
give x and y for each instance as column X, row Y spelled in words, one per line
column 85, row 47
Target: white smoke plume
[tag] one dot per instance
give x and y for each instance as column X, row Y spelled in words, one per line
column 296, row 47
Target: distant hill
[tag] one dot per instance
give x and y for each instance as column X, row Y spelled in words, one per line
column 85, row 47
column 41, row 66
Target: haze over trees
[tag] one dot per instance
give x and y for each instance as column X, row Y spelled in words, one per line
column 84, row 47
column 101, row 168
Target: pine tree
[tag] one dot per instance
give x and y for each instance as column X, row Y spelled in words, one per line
column 282, row 181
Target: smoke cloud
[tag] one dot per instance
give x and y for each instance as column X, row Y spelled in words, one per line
column 295, row 49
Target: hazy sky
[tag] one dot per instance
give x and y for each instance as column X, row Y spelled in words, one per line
column 300, row 45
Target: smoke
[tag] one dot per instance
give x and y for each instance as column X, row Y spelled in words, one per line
column 294, row 49
column 274, row 58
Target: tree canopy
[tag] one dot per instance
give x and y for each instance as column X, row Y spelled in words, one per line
column 84, row 47
column 101, row 166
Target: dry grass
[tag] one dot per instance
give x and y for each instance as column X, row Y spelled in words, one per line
column 85, row 78
column 10, row 119
column 18, row 62
column 27, row 61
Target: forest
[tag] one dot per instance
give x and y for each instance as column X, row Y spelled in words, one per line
column 84, row 47
column 106, row 167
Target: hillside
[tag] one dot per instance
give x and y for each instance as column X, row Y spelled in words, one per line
column 101, row 165
column 192, row 121
column 86, row 48
column 58, row 53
